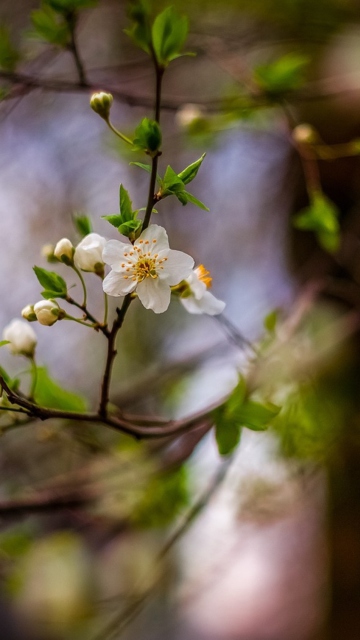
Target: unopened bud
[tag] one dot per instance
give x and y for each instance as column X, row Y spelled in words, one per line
column 22, row 338
column 28, row 313
column 64, row 251
column 305, row 134
column 48, row 312
column 47, row 252
column 101, row 103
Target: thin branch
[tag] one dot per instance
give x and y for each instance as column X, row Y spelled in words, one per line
column 88, row 316
column 72, row 20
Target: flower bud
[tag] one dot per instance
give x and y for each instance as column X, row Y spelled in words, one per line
column 22, row 338
column 305, row 134
column 101, row 103
column 188, row 114
column 64, row 251
column 88, row 254
column 28, row 313
column 47, row 312
column 47, row 252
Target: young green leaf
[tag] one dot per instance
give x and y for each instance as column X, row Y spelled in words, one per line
column 125, row 205
column 50, row 394
column 130, row 227
column 52, row 282
column 254, row 415
column 82, row 224
column 227, row 433
column 148, row 137
column 115, row 219
column 50, row 26
column 188, row 197
column 171, row 181
column 169, row 33
column 140, row 30
column 282, row 75
column 3, row 342
column 321, row 216
column 188, row 174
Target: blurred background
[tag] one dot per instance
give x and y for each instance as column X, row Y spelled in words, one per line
column 91, row 544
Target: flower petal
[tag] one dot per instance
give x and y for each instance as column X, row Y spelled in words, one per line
column 117, row 284
column 197, row 287
column 113, row 253
column 207, row 304
column 154, row 294
column 177, row 267
column 154, row 232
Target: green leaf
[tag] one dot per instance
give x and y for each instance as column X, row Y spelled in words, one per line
column 140, row 30
column 148, row 136
column 64, row 6
column 4, row 342
column 254, row 415
column 282, row 75
column 50, row 26
column 50, row 394
column 115, row 219
column 13, row 383
column 9, row 56
column 82, row 224
column 171, row 181
column 322, row 218
column 146, row 167
column 188, row 174
column 125, row 205
column 169, row 33
column 270, row 321
column 227, row 433
column 190, row 198
column 128, row 228
column 52, row 282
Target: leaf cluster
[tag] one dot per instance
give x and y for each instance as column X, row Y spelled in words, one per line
column 283, row 75
column 9, row 56
column 126, row 221
column 321, row 217
column 54, row 285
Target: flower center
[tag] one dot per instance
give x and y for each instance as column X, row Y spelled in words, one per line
column 147, row 264
column 145, row 268
column 204, row 275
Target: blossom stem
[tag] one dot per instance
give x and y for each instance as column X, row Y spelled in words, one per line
column 118, row 133
column 89, row 316
column 86, row 324
column 106, row 309
column 78, row 272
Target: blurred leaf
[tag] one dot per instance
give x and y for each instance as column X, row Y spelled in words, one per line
column 65, row 6
column 169, row 33
column 271, row 320
column 165, row 495
column 15, row 542
column 322, row 218
column 140, row 30
column 188, row 174
column 49, row 26
column 82, row 224
column 227, row 433
column 51, row 395
column 55, row 285
column 9, row 56
column 282, row 75
column 3, row 342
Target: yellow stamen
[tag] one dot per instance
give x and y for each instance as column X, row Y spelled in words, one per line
column 204, row 275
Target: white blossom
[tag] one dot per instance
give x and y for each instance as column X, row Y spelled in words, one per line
column 64, row 251
column 88, row 253
column 197, row 298
column 149, row 267
column 21, row 336
column 188, row 114
column 47, row 312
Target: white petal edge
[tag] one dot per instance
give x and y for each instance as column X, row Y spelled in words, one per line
column 207, row 304
column 116, row 285
column 113, row 253
column 177, row 267
column 154, row 294
column 154, row 232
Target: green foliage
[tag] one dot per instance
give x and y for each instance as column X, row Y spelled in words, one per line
column 189, row 173
column 13, row 383
column 140, row 30
column 9, row 56
column 55, row 285
column 3, row 342
column 169, row 33
column 50, row 394
column 271, row 320
column 15, row 542
column 237, row 412
column 148, row 137
column 82, row 224
column 172, row 184
column 165, row 495
column 322, row 218
column 69, row 6
column 50, row 26
column 282, row 75
column 126, row 222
